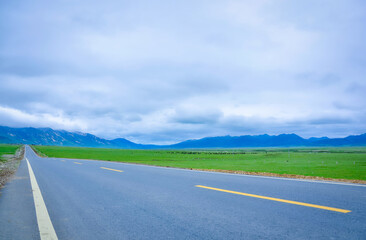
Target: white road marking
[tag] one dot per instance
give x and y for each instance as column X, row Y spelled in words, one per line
column 46, row 230
column 241, row 175
column 231, row 174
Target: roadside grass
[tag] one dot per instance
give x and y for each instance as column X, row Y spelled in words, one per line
column 7, row 149
column 338, row 163
column 10, row 156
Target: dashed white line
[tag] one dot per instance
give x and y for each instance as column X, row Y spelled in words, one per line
column 240, row 175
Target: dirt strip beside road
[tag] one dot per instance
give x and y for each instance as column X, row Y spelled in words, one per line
column 10, row 165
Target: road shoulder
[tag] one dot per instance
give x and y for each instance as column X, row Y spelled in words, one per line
column 17, row 212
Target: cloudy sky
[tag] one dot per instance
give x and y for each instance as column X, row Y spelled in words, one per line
column 166, row 71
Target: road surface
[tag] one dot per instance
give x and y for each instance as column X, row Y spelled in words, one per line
column 88, row 199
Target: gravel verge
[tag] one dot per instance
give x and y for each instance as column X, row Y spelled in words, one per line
column 9, row 166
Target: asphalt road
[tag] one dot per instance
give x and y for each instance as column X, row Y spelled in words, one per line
column 89, row 199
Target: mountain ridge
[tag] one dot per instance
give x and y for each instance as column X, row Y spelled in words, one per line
column 48, row 136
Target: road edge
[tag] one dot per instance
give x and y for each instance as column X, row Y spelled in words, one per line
column 46, row 230
column 240, row 173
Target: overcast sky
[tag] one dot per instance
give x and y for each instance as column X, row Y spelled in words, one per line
column 166, row 71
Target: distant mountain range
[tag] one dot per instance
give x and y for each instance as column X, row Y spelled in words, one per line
column 48, row 136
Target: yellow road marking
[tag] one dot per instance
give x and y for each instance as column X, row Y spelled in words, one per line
column 112, row 169
column 77, row 163
column 278, row 199
column 62, row 160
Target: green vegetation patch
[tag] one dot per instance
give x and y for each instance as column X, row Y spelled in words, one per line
column 7, row 149
column 339, row 163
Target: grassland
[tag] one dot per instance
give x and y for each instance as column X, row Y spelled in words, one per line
column 337, row 163
column 7, row 150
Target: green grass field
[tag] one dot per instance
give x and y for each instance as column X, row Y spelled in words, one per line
column 7, row 149
column 341, row 163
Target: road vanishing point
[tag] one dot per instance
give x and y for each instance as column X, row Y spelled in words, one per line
column 53, row 198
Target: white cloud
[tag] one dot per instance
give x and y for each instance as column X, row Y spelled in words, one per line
column 16, row 118
column 164, row 72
